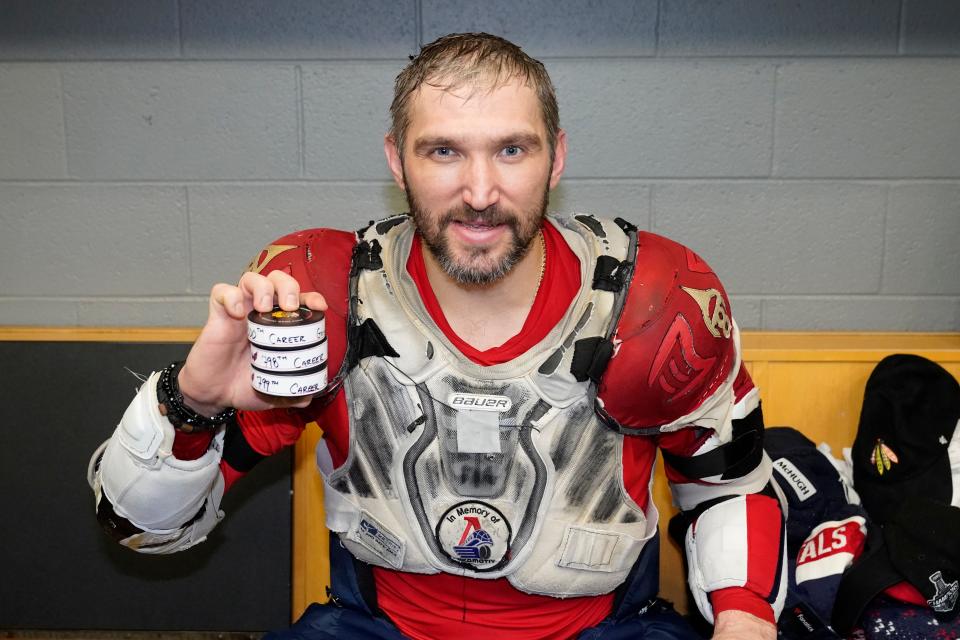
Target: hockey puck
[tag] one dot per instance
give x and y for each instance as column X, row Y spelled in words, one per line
column 298, row 383
column 279, row 329
column 286, row 360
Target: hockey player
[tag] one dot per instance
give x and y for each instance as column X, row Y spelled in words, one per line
column 500, row 382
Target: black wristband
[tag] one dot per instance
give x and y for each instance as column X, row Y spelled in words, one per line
column 182, row 417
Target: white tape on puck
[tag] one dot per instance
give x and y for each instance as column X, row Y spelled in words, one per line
column 288, row 361
column 279, row 329
column 289, row 384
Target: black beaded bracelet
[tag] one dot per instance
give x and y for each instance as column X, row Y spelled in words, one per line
column 182, row 417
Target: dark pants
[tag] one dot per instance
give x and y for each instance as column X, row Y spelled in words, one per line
column 637, row 615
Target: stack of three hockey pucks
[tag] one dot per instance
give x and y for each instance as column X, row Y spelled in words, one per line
column 288, row 351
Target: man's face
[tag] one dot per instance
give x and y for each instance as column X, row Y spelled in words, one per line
column 477, row 169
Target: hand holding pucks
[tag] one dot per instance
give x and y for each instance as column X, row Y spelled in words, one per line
column 288, row 351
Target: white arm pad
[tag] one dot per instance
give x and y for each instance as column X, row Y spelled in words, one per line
column 152, row 489
column 718, row 557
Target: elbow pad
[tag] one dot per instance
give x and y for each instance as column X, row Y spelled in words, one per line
column 167, row 500
column 739, row 542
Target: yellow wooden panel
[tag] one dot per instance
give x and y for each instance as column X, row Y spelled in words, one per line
column 811, row 381
column 98, row 334
column 953, row 368
column 757, row 345
column 847, row 346
column 311, row 540
column 821, row 399
column 758, row 372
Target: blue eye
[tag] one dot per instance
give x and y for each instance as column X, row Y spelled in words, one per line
column 443, row 152
column 512, row 150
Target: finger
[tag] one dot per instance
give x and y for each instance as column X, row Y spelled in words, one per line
column 228, row 298
column 303, row 402
column 259, row 289
column 314, row 301
column 287, row 289
column 281, row 402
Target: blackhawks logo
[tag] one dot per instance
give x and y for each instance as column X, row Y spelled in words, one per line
column 882, row 457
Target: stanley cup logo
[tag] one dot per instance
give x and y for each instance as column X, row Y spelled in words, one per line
column 945, row 599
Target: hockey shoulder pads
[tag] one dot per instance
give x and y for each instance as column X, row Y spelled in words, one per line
column 147, row 499
column 676, row 345
column 319, row 260
column 738, row 543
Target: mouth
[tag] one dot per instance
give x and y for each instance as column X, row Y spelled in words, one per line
column 476, row 231
column 479, row 225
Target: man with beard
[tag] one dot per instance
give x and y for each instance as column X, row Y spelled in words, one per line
column 503, row 381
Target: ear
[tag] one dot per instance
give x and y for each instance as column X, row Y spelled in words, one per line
column 559, row 158
column 393, row 160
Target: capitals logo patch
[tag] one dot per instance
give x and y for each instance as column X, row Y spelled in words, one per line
column 830, row 548
column 715, row 315
column 476, row 535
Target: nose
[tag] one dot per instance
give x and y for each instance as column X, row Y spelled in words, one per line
column 480, row 184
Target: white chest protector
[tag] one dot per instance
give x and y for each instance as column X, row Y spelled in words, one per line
column 485, row 471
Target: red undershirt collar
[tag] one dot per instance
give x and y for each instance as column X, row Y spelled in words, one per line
column 560, row 283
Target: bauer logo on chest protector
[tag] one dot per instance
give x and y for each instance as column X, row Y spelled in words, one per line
column 477, row 402
column 474, row 534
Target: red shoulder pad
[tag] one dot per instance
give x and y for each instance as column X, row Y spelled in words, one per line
column 674, row 342
column 319, row 259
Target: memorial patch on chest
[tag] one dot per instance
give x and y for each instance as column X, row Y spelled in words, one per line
column 476, row 535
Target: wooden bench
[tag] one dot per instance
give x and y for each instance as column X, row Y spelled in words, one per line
column 811, row 381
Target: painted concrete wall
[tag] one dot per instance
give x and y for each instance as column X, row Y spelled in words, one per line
column 809, row 150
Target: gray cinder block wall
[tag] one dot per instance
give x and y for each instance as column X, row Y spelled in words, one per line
column 809, row 150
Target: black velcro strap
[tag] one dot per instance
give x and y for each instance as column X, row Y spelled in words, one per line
column 590, row 358
column 367, row 340
column 608, row 274
column 745, row 427
column 116, row 526
column 677, row 529
column 366, row 255
column 367, row 585
column 362, row 230
column 732, row 460
column 385, row 225
column 591, row 223
column 627, row 227
column 237, row 451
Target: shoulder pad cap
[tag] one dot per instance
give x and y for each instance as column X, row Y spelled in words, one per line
column 319, row 259
column 674, row 341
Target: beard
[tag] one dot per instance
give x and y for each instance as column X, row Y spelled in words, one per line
column 478, row 265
